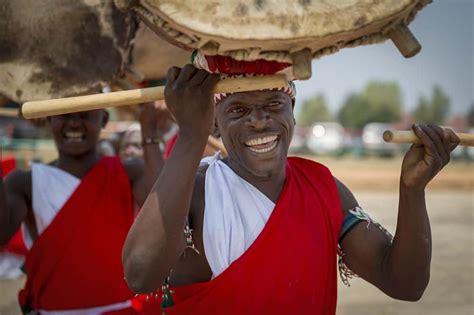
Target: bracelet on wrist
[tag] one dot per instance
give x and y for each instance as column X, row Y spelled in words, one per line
column 152, row 140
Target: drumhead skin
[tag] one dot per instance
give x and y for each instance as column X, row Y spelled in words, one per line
column 272, row 29
column 60, row 48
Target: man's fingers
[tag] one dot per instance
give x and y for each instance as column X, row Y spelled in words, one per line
column 444, row 150
column 211, row 81
column 199, row 77
column 186, row 74
column 452, row 138
column 437, row 143
column 172, row 75
column 425, row 140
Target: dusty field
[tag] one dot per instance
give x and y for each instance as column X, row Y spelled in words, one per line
column 450, row 201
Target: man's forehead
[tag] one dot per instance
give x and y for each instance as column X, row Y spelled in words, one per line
column 255, row 96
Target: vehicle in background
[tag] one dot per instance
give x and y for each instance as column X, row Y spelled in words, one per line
column 372, row 138
column 298, row 143
column 326, row 138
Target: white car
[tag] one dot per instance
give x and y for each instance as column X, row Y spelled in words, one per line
column 372, row 137
column 326, row 138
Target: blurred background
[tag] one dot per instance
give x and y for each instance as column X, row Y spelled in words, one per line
column 341, row 113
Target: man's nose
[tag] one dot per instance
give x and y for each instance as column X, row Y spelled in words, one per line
column 258, row 119
column 74, row 120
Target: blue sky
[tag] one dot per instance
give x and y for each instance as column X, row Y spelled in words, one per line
column 444, row 29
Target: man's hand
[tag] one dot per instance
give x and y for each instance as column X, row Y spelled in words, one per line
column 423, row 161
column 190, row 98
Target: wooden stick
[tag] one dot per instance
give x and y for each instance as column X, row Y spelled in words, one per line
column 408, row 136
column 38, row 109
column 405, row 41
column 302, row 64
column 8, row 112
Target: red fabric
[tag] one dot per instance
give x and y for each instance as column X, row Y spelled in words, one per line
column 228, row 65
column 8, row 165
column 76, row 261
column 16, row 245
column 291, row 266
column 169, row 145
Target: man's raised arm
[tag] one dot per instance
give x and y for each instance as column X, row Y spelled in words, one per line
column 401, row 268
column 156, row 239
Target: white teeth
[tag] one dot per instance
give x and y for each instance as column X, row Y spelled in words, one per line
column 265, row 150
column 259, row 141
column 74, row 136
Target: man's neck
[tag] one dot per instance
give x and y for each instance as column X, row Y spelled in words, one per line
column 270, row 186
column 78, row 166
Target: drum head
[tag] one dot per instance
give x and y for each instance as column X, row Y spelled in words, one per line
column 273, row 29
column 60, row 48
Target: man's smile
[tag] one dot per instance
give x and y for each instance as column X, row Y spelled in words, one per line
column 74, row 137
column 262, row 144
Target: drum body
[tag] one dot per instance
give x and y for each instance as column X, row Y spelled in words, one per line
column 277, row 30
column 60, row 48
column 152, row 56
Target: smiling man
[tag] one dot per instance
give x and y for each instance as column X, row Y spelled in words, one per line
column 75, row 213
column 260, row 233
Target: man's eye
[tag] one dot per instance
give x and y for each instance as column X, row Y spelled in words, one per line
column 274, row 103
column 237, row 110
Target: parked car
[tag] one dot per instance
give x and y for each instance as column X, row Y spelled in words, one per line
column 298, row 143
column 326, row 138
column 372, row 137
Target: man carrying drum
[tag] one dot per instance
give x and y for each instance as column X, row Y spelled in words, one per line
column 258, row 232
column 75, row 214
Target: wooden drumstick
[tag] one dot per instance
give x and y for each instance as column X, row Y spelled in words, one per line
column 408, row 136
column 38, row 109
column 9, row 112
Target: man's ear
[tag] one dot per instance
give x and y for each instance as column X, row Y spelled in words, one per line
column 105, row 118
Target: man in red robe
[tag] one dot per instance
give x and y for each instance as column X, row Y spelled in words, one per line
column 76, row 212
column 289, row 265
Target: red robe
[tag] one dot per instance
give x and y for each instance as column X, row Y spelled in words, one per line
column 291, row 267
column 16, row 245
column 76, row 262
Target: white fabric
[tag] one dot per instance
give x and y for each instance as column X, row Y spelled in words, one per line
column 234, row 215
column 51, row 188
column 10, row 265
column 90, row 311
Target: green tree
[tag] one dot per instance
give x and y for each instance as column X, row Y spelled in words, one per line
column 351, row 113
column 434, row 110
column 440, row 105
column 314, row 109
column 422, row 112
column 378, row 102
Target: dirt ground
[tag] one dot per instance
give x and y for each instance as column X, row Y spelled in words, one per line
column 450, row 200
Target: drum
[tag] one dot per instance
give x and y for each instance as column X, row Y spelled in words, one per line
column 60, row 48
column 152, row 56
column 291, row 32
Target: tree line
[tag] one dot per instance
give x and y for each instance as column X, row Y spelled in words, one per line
column 378, row 101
